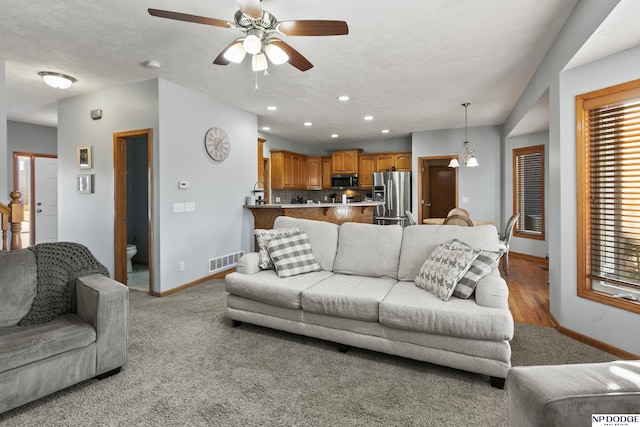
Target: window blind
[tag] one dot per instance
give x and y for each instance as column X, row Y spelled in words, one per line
column 613, row 144
column 529, row 189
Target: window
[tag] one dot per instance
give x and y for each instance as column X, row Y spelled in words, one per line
column 528, row 191
column 608, row 167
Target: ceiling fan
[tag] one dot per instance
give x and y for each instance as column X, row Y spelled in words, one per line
column 259, row 27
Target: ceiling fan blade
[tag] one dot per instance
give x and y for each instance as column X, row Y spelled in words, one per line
column 189, row 18
column 313, row 28
column 295, row 58
column 251, row 8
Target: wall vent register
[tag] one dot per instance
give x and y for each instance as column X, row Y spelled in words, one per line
column 224, row 262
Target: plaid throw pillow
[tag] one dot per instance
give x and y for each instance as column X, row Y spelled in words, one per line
column 292, row 255
column 480, row 267
column 443, row 268
column 262, row 238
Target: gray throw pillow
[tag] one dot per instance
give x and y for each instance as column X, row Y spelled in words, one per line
column 443, row 269
column 263, row 236
column 292, row 255
column 479, row 268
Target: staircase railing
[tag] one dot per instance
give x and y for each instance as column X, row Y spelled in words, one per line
column 11, row 216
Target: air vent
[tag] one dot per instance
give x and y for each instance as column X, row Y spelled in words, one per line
column 224, row 262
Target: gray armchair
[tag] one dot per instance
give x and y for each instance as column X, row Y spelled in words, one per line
column 43, row 351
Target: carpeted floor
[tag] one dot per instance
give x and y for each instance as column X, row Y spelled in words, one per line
column 188, row 367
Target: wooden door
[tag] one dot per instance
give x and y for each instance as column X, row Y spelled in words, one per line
column 438, row 188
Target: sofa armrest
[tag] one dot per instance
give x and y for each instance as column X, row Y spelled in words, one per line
column 104, row 303
column 248, row 263
column 492, row 291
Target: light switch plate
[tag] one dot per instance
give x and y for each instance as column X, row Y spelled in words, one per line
column 190, row 206
column 178, row 207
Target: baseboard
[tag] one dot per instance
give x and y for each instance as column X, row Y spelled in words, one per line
column 593, row 342
column 218, row 275
column 528, row 257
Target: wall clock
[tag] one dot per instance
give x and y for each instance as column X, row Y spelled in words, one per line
column 216, row 142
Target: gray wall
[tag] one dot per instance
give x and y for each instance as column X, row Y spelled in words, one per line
column 538, row 248
column 29, row 138
column 4, row 183
column 600, row 321
column 480, row 184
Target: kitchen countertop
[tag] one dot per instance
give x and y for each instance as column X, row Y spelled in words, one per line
column 314, row 205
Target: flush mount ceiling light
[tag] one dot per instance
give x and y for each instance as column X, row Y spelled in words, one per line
column 467, row 156
column 57, row 80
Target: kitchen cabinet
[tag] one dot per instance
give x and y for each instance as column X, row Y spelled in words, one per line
column 314, row 165
column 366, row 167
column 399, row 161
column 288, row 171
column 326, row 173
column 344, row 162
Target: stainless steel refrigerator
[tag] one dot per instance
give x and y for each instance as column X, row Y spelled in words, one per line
column 394, row 190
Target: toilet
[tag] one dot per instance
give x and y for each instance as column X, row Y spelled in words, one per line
column 131, row 251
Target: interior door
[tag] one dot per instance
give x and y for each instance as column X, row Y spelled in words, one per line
column 438, row 188
column 46, row 199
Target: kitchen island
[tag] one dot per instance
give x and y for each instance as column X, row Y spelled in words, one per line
column 337, row 213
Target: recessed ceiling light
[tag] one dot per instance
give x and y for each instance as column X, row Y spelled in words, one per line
column 343, row 98
column 308, row 123
column 334, row 135
column 368, row 118
column 385, row 130
column 266, row 128
column 272, row 108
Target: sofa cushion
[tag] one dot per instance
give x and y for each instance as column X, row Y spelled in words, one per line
column 292, row 255
column 322, row 235
column 444, row 268
column 410, row 308
column 267, row 287
column 419, row 242
column 368, row 250
column 480, row 267
column 21, row 345
column 262, row 239
column 18, row 282
column 353, row 297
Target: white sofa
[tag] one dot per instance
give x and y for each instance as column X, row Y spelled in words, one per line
column 365, row 296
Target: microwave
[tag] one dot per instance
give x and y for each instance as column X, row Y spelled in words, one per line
column 344, row 182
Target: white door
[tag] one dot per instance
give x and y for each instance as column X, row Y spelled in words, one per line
column 46, row 199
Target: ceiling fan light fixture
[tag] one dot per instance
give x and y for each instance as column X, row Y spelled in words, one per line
column 276, row 54
column 253, row 42
column 235, row 53
column 259, row 62
column 57, row 80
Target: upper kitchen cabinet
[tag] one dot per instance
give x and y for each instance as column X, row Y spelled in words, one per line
column 366, row 167
column 314, row 165
column 288, row 171
column 326, row 173
column 343, row 162
column 389, row 161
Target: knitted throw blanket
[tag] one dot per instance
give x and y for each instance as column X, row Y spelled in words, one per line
column 58, row 266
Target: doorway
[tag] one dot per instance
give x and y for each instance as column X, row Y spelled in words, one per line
column 437, row 187
column 133, row 219
column 35, row 176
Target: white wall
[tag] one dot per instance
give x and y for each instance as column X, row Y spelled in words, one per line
column 480, row 185
column 534, row 247
column 88, row 218
column 29, row 138
column 600, row 321
column 219, row 225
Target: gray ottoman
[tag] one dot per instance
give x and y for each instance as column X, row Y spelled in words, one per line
column 567, row 395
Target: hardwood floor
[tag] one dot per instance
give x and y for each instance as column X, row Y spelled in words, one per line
column 528, row 290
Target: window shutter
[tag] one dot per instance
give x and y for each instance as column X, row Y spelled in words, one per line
column 613, row 166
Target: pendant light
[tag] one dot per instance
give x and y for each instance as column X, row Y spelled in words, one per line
column 467, row 155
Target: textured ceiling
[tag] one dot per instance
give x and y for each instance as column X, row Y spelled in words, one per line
column 409, row 64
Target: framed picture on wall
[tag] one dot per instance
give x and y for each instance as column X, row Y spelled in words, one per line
column 84, row 158
column 84, row 183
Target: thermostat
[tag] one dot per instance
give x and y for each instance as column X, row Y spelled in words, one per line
column 183, row 185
